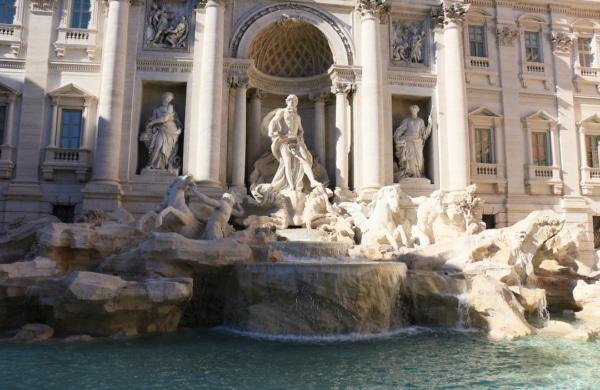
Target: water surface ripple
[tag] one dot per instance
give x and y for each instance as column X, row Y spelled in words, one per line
column 199, row 359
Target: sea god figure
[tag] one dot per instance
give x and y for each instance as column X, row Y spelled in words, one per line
column 288, row 147
column 409, row 140
column 161, row 136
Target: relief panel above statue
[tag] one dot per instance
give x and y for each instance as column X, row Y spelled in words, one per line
column 167, row 25
column 408, row 42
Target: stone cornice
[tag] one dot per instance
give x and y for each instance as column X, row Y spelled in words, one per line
column 569, row 7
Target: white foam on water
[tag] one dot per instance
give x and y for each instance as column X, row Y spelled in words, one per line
column 340, row 338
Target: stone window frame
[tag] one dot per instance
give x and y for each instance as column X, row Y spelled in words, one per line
column 591, row 30
column 8, row 98
column 491, row 173
column 550, row 175
column 69, row 38
column 71, row 97
column 11, row 34
column 590, row 176
column 486, row 66
column 535, row 70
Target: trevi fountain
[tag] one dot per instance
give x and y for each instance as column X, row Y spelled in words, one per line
column 242, row 220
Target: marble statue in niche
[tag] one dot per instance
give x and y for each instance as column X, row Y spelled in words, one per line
column 408, row 42
column 161, row 137
column 409, row 141
column 288, row 147
column 167, row 28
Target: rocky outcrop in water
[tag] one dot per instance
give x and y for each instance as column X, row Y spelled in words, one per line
column 312, row 299
column 104, row 305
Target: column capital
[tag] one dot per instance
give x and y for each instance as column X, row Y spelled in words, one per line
column 257, row 94
column 210, row 3
column 450, row 14
column 507, row 35
column 561, row 42
column 319, row 97
column 373, row 8
column 238, row 80
column 43, row 7
column 341, row 87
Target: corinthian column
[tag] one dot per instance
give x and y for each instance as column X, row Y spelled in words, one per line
column 342, row 143
column 456, row 109
column 104, row 187
column 238, row 172
column 254, row 138
column 319, row 135
column 371, row 91
column 206, row 165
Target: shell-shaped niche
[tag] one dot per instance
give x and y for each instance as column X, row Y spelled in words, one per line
column 292, row 48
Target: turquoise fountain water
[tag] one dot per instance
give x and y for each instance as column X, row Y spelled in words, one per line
column 414, row 358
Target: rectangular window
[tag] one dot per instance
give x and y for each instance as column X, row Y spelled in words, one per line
column 71, row 128
column 484, row 146
column 3, row 125
column 592, row 144
column 533, row 52
column 80, row 14
column 540, row 151
column 7, row 11
column 586, row 54
column 477, row 41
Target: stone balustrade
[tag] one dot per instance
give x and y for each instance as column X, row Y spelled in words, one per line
column 76, row 38
column 11, row 35
column 540, row 177
column 74, row 160
column 478, row 62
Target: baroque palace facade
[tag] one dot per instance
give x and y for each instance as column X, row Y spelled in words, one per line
column 504, row 94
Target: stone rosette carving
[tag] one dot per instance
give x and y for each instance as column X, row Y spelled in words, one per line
column 167, row 26
column 408, row 42
column 561, row 42
column 507, row 36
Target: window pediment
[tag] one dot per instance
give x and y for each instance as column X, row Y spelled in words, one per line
column 485, row 116
column 72, row 92
column 541, row 120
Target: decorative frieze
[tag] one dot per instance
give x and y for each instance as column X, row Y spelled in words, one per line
column 166, row 66
column 561, row 42
column 408, row 42
column 507, row 36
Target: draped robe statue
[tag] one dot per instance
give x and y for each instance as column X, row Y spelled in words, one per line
column 409, row 140
column 161, row 136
